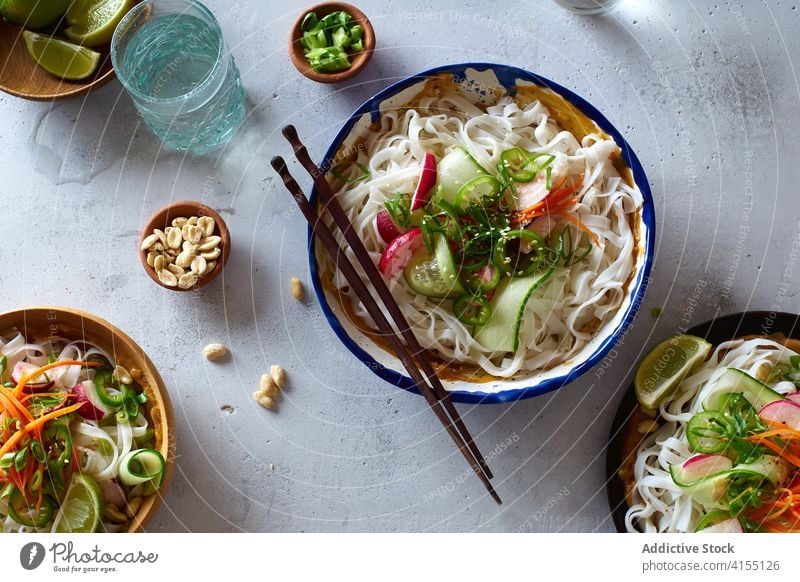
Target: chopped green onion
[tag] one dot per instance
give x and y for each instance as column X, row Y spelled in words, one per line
column 37, row 450
column 328, row 59
column 7, row 460
column 336, row 172
column 21, row 459
column 656, row 312
column 309, row 21
column 325, row 40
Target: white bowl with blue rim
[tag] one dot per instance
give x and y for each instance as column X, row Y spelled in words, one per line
column 486, row 77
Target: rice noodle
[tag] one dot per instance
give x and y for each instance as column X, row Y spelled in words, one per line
column 566, row 312
column 659, row 505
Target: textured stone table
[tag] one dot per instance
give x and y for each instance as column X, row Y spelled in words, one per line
column 707, row 94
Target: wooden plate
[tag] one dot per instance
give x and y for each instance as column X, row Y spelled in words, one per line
column 715, row 332
column 22, row 77
column 73, row 324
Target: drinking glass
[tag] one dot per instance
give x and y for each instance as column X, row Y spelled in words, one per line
column 171, row 58
column 588, row 6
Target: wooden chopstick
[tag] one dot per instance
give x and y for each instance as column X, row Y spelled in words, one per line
column 362, row 255
column 321, row 229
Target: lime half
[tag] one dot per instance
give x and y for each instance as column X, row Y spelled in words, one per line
column 82, row 508
column 32, row 13
column 61, row 58
column 667, row 364
column 92, row 22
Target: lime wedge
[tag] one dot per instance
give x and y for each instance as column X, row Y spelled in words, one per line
column 92, row 23
column 63, row 59
column 32, row 13
column 82, row 508
column 667, row 364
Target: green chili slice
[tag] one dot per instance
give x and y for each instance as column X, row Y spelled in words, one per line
column 508, row 255
column 472, row 309
column 25, row 513
column 58, row 444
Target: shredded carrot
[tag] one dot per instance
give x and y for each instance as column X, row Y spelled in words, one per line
column 34, row 424
column 13, row 406
column 39, row 371
column 783, row 452
column 577, row 222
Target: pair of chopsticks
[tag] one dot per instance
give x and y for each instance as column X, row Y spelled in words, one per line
column 403, row 341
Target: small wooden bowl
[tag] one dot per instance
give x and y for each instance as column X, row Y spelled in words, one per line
column 163, row 218
column 22, row 77
column 357, row 61
column 46, row 322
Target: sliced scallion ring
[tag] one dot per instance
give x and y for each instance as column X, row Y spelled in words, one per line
column 141, row 466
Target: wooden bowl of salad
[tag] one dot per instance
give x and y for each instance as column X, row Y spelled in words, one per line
column 105, row 420
column 331, row 42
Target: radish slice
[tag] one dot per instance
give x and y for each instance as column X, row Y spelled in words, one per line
column 728, row 526
column 794, row 397
column 399, row 251
column 427, row 180
column 783, row 412
column 38, row 384
column 387, row 229
column 700, row 467
column 86, row 394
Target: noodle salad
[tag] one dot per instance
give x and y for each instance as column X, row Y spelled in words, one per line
column 506, row 240
column 76, row 448
column 727, row 456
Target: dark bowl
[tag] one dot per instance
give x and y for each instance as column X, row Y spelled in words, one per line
column 715, row 332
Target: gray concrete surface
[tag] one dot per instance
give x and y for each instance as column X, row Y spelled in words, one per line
column 707, row 94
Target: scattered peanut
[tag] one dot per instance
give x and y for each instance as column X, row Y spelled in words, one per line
column 278, row 376
column 114, row 516
column 122, row 375
column 647, row 426
column 184, row 252
column 136, row 374
column 214, row 351
column 297, row 289
column 263, row 400
column 268, row 385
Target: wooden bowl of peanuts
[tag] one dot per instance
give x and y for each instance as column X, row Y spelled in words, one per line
column 184, row 246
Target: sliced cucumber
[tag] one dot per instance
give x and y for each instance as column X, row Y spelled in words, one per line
column 511, row 296
column 434, row 275
column 454, row 170
column 710, row 491
column 735, row 381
